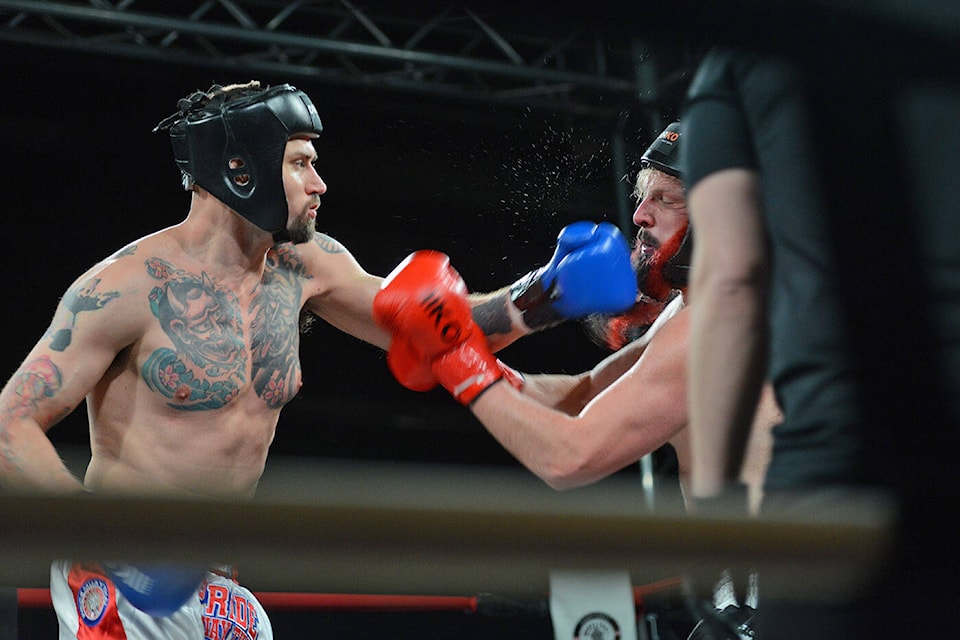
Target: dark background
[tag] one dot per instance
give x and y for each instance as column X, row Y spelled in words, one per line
column 490, row 185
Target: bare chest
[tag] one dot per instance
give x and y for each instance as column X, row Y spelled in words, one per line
column 208, row 345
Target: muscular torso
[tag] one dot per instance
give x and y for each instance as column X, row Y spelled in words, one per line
column 193, row 403
column 653, row 392
column 189, row 365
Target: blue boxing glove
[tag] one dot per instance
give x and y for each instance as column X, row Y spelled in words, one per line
column 158, row 590
column 590, row 272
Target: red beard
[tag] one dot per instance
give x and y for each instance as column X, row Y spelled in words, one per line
column 623, row 329
column 654, row 283
column 615, row 332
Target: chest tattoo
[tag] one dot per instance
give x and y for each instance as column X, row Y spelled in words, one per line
column 274, row 337
column 207, row 366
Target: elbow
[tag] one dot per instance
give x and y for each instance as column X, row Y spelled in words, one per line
column 569, row 472
column 560, row 483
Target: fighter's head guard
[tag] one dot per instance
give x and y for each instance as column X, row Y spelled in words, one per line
column 663, row 154
column 231, row 142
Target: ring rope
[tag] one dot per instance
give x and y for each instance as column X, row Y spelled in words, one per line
column 39, row 598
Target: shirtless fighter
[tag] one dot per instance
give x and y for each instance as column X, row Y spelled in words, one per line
column 185, row 346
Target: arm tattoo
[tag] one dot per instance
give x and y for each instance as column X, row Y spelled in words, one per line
column 36, row 381
column 207, row 366
column 492, row 316
column 80, row 297
column 327, row 244
column 128, row 250
column 274, row 329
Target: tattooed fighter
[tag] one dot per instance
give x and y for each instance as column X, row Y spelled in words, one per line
column 184, row 345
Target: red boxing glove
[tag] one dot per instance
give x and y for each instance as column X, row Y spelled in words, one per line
column 468, row 369
column 422, row 303
column 511, row 375
column 402, row 307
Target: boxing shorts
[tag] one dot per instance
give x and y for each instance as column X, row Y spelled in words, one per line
column 89, row 607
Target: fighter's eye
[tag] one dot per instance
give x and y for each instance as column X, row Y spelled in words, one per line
column 241, row 179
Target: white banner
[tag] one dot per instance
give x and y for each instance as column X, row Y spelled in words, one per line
column 592, row 605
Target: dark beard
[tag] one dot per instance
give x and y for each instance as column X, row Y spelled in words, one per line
column 302, row 232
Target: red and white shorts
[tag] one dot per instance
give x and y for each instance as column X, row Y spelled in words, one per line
column 89, row 607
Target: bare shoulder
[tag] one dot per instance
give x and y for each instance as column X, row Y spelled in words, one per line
column 678, row 326
column 336, row 288
column 326, row 251
column 128, row 270
column 323, row 265
column 328, row 245
column 312, row 258
column 104, row 305
column 666, row 351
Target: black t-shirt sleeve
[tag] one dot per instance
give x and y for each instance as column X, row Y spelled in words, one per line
column 716, row 131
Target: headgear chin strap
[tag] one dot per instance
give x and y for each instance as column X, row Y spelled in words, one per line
column 663, row 154
column 677, row 270
column 233, row 147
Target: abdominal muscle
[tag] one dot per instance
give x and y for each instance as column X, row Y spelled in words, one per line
column 152, row 449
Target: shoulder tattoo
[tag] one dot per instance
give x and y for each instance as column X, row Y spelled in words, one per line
column 80, row 297
column 128, row 250
column 327, row 244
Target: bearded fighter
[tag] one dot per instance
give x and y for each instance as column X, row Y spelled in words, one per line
column 184, row 346
column 574, row 430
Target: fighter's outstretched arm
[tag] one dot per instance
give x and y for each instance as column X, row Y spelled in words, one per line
column 435, row 341
column 589, row 272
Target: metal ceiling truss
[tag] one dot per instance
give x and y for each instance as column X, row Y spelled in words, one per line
column 455, row 52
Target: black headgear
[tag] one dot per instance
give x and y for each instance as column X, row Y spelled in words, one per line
column 233, row 146
column 664, row 155
column 664, row 152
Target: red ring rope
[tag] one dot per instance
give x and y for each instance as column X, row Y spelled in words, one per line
column 39, row 598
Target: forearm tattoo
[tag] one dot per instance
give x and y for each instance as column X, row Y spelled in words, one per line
column 492, row 316
column 36, row 381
